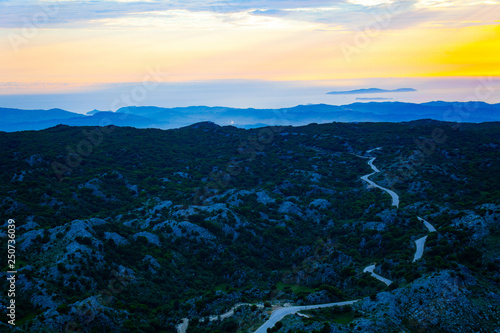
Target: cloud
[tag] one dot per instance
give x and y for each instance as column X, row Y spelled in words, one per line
column 113, row 41
column 17, row 88
column 393, row 15
column 345, row 14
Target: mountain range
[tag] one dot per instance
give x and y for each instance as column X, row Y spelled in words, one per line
column 12, row 120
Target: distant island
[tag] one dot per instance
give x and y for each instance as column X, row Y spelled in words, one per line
column 370, row 91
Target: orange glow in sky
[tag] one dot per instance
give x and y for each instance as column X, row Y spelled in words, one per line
column 429, row 38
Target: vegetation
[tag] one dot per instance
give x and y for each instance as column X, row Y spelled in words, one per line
column 243, row 217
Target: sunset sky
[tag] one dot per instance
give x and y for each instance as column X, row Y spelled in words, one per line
column 57, row 48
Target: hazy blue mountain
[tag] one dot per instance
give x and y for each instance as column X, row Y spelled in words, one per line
column 251, row 126
column 157, row 117
column 370, row 91
column 112, row 118
column 8, row 115
column 90, row 113
column 98, row 119
column 321, row 113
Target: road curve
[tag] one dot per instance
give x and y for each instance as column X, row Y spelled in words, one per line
column 369, row 151
column 420, row 243
column 420, row 248
column 370, row 163
column 427, row 224
column 375, row 275
column 182, row 328
column 394, row 195
column 230, row 313
column 280, row 313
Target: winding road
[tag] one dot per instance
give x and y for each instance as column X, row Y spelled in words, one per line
column 394, row 195
column 420, row 248
column 280, row 313
column 182, row 327
column 230, row 313
column 427, row 224
column 375, row 275
column 420, row 243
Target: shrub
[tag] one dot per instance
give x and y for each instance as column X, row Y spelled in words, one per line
column 83, row 240
column 61, row 267
column 63, row 308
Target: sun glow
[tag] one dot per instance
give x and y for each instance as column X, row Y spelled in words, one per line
column 453, row 38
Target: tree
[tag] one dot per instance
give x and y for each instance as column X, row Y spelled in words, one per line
column 63, row 308
column 326, row 328
column 229, row 326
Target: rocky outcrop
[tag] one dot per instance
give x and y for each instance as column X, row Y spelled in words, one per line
column 264, row 198
column 439, row 303
column 152, row 238
column 289, row 207
column 320, row 204
column 119, row 240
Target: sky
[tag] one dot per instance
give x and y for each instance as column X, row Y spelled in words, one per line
column 82, row 55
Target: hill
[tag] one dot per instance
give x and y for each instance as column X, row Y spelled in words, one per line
column 125, row 229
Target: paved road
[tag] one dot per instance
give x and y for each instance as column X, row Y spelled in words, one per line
column 420, row 248
column 182, row 328
column 369, row 151
column 376, row 276
column 280, row 313
column 230, row 313
column 427, row 224
column 421, row 241
column 370, row 163
column 394, row 195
